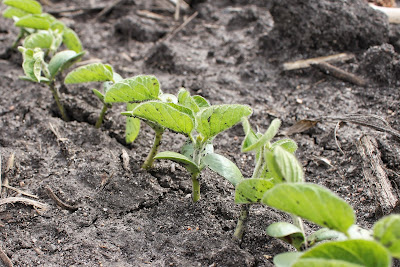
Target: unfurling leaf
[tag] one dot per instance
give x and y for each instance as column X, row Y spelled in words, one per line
column 266, row 137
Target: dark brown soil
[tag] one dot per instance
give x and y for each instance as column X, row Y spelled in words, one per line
column 232, row 52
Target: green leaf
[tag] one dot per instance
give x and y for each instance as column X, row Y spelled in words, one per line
column 286, row 259
column 71, row 40
column 29, row 6
column 63, row 60
column 272, row 167
column 96, row 72
column 215, row 119
column 132, row 126
column 11, row 12
column 287, row 144
column 223, row 167
column 387, row 232
column 186, row 100
column 323, row 235
column 201, row 101
column 187, row 163
column 267, row 136
column 363, row 252
column 29, row 79
column 312, row 202
column 324, row 263
column 251, row 190
column 41, row 39
column 287, row 232
column 136, row 89
column 164, row 114
column 250, row 136
column 32, row 64
column 33, row 21
column 287, row 166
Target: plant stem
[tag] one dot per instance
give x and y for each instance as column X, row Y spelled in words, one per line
column 19, row 37
column 241, row 224
column 101, row 118
column 195, row 187
column 148, row 163
column 56, row 96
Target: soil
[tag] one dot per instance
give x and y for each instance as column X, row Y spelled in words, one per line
column 232, row 52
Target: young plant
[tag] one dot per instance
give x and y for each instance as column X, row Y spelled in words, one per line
column 35, row 66
column 40, row 29
column 352, row 245
column 193, row 117
column 96, row 72
column 133, row 91
column 264, row 175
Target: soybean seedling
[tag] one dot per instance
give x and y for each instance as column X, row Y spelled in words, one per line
column 275, row 163
column 195, row 118
column 96, row 72
column 40, row 29
column 345, row 244
column 34, row 66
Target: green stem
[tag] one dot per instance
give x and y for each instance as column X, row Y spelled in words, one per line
column 19, row 37
column 241, row 224
column 195, row 187
column 101, row 118
column 56, row 96
column 259, row 165
column 148, row 163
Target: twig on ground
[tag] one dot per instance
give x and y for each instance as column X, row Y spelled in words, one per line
column 151, row 15
column 363, row 120
column 75, row 9
column 375, row 175
column 108, row 9
column 169, row 36
column 177, row 10
column 26, row 201
column 5, row 259
column 306, row 63
column 19, row 191
column 58, row 201
column 5, row 182
column 335, row 134
column 339, row 73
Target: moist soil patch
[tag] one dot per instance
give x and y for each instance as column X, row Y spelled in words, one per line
column 231, row 52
